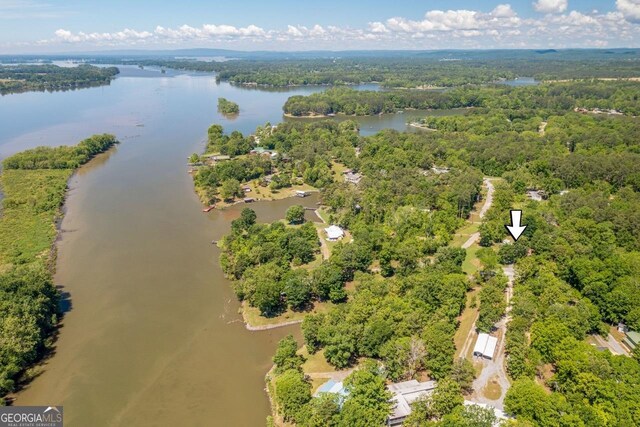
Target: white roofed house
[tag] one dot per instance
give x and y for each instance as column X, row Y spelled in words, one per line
column 334, row 233
column 485, row 346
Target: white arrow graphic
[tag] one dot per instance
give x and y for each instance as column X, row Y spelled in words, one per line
column 515, row 229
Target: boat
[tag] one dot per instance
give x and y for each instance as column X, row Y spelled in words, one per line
column 208, row 208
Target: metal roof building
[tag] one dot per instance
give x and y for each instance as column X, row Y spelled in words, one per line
column 485, row 346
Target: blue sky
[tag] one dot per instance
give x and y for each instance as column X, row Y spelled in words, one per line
column 72, row 25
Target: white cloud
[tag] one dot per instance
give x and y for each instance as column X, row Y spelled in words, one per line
column 377, row 27
column 294, row 31
column 497, row 28
column 551, row 6
column 574, row 18
column 503, row 11
column 630, row 9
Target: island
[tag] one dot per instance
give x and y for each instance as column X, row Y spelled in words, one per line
column 49, row 77
column 34, row 184
column 227, row 107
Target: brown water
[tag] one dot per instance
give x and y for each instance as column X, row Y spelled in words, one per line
column 153, row 336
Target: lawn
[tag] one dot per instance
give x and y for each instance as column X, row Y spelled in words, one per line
column 492, row 390
column 252, row 316
column 471, row 263
column 315, row 362
column 466, row 320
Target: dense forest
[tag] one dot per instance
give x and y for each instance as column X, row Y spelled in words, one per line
column 227, row 107
column 413, row 69
column 22, row 78
column 397, row 288
column 577, row 262
column 522, row 102
column 34, row 184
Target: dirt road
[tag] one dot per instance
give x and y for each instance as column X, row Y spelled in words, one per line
column 494, row 371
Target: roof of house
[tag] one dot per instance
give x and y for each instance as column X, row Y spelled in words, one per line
column 634, row 337
column 481, row 343
column 490, row 349
column 485, row 345
column 334, row 232
column 332, row 386
column 405, row 393
column 353, row 177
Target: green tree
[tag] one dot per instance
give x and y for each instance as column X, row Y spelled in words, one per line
column 368, row 401
column 293, row 392
column 470, row 416
column 268, row 298
column 230, row 189
column 298, row 290
column 295, row 214
column 445, row 398
column 463, row 373
column 321, row 411
column 286, row 356
column 247, row 220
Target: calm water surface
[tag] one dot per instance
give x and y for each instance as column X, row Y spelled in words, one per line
column 153, row 336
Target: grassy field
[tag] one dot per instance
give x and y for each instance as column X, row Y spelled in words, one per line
column 315, row 362
column 253, row 318
column 31, row 205
column 492, row 390
column 466, row 320
column 471, row 263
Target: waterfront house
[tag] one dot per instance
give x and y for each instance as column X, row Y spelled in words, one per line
column 331, row 386
column 334, row 233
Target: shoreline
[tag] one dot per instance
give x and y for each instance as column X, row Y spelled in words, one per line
column 49, row 261
column 419, row 126
column 269, row 326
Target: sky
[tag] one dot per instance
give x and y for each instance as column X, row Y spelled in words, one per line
column 56, row 26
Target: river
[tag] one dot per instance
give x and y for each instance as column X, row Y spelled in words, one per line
column 153, row 335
